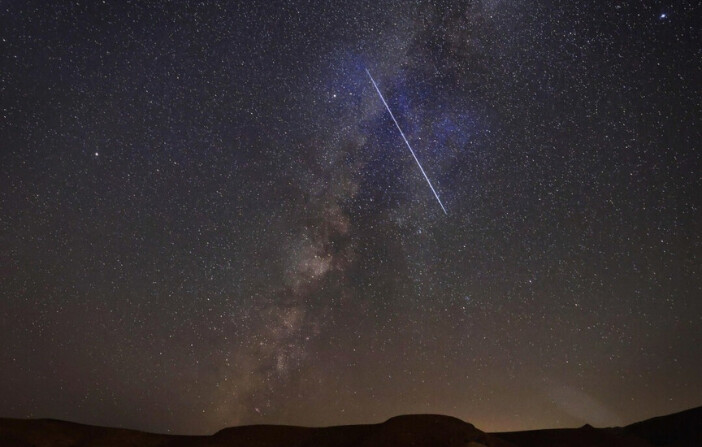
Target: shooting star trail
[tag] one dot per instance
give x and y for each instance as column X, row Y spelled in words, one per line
column 406, row 142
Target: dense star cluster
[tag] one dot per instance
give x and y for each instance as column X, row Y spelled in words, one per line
column 209, row 218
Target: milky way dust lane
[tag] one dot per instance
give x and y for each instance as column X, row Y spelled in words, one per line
column 406, row 142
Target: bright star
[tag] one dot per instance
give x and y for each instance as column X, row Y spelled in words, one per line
column 663, row 16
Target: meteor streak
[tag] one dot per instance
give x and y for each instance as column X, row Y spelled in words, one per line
column 406, row 142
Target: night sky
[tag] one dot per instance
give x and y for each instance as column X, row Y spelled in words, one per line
column 208, row 218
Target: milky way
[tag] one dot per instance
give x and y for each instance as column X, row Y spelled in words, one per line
column 206, row 219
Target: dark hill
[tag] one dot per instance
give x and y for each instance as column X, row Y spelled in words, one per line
column 682, row 429
column 677, row 430
column 413, row 430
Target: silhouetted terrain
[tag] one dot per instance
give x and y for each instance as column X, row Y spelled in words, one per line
column 676, row 430
column 679, row 430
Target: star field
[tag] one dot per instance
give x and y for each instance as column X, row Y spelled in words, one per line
column 209, row 218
